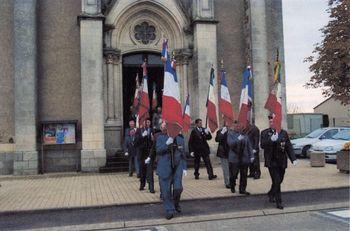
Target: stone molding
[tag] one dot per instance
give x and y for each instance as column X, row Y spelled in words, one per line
column 111, row 55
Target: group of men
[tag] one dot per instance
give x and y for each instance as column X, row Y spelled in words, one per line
column 238, row 151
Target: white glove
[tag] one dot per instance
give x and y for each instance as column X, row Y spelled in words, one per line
column 223, row 130
column 126, row 154
column 184, row 172
column 206, row 130
column 295, row 162
column 274, row 137
column 254, row 151
column 169, row 141
column 192, row 154
column 145, row 133
column 240, row 137
column 252, row 160
column 148, row 160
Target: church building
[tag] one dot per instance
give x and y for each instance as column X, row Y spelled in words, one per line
column 68, row 68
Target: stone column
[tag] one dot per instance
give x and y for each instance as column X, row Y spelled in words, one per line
column 114, row 111
column 93, row 153
column 205, row 54
column 259, row 61
column 25, row 72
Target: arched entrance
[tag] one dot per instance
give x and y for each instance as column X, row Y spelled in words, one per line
column 131, row 67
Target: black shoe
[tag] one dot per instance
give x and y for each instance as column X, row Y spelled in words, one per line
column 168, row 216
column 279, row 206
column 138, row 175
column 227, row 186
column 142, row 188
column 233, row 189
column 244, row 193
column 256, row 177
column 196, row 177
column 130, row 174
column 212, row 177
column 250, row 175
column 152, row 191
column 178, row 208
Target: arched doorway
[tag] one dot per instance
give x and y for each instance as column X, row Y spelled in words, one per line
column 131, row 67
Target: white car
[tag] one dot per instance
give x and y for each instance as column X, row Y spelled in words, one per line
column 331, row 146
column 302, row 145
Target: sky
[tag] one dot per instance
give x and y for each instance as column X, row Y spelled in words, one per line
column 302, row 20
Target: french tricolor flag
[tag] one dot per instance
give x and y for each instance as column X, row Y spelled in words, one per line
column 225, row 106
column 144, row 98
column 186, row 115
column 154, row 98
column 172, row 111
column 246, row 99
column 136, row 101
column 212, row 119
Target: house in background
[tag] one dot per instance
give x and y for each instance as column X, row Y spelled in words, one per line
column 338, row 114
column 301, row 124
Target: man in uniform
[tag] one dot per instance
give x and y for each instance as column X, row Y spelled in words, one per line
column 253, row 134
column 171, row 165
column 144, row 142
column 239, row 157
column 277, row 147
column 222, row 153
column 199, row 148
column 130, row 147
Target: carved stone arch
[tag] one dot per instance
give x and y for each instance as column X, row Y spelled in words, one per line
column 168, row 20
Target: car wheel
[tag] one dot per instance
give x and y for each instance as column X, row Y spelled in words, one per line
column 305, row 150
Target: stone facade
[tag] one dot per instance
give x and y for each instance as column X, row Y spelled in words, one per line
column 73, row 67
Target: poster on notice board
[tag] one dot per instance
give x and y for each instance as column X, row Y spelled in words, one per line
column 59, row 133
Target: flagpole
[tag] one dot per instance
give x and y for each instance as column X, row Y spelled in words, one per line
column 206, row 117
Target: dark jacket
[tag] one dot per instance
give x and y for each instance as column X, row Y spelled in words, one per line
column 276, row 152
column 144, row 143
column 240, row 151
column 198, row 142
column 130, row 142
column 223, row 148
column 253, row 134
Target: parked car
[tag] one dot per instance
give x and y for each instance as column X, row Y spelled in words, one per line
column 331, row 146
column 302, row 145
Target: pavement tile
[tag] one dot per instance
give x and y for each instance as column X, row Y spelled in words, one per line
column 85, row 190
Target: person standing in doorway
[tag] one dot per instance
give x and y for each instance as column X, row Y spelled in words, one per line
column 199, row 148
column 277, row 148
column 130, row 147
column 157, row 119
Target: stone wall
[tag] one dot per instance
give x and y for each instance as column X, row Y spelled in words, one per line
column 6, row 73
column 59, row 95
column 231, row 45
column 6, row 163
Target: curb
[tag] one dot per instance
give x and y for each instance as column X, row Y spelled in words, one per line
column 238, row 197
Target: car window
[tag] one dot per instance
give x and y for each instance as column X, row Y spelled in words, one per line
column 316, row 133
column 342, row 135
column 328, row 134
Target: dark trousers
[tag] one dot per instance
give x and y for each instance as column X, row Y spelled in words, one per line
column 143, row 173
column 150, row 178
column 242, row 169
column 277, row 175
column 197, row 161
column 254, row 168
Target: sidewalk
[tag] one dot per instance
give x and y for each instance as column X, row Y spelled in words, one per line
column 63, row 191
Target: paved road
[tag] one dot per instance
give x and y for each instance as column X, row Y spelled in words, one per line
column 122, row 215
column 316, row 220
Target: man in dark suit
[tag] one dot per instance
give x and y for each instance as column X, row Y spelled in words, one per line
column 144, row 143
column 199, row 148
column 253, row 134
column 240, row 156
column 277, row 147
column 222, row 153
column 130, row 147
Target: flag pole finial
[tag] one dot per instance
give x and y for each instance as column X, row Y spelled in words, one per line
column 277, row 55
column 222, row 63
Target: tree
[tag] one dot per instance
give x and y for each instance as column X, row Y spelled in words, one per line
column 330, row 63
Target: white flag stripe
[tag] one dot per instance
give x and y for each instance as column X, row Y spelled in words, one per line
column 170, row 86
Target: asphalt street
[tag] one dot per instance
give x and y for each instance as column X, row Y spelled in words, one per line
column 45, row 219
